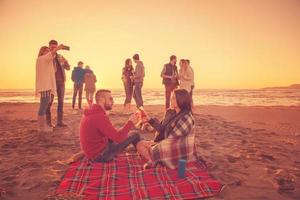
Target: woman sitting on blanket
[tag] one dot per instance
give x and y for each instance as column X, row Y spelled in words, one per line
column 175, row 137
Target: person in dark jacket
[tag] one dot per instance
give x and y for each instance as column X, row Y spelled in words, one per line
column 60, row 65
column 127, row 78
column 77, row 77
column 169, row 75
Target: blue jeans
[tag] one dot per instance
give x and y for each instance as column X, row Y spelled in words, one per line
column 137, row 94
column 77, row 89
column 128, row 91
column 44, row 103
column 112, row 149
column 60, row 89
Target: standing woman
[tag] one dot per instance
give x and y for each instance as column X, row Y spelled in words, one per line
column 90, row 84
column 45, row 83
column 185, row 76
column 127, row 78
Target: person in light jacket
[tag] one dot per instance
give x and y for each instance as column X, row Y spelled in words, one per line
column 139, row 74
column 185, row 76
column 90, row 84
column 45, row 84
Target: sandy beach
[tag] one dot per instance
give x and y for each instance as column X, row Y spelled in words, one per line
column 253, row 151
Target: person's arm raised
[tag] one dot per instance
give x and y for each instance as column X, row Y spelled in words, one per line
column 59, row 47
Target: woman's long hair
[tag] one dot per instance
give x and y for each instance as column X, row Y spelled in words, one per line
column 127, row 63
column 42, row 50
column 183, row 99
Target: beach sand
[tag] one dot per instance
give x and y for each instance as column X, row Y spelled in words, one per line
column 253, row 151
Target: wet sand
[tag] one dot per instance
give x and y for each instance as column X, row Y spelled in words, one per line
column 253, row 151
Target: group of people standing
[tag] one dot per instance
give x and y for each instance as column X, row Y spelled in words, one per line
column 172, row 79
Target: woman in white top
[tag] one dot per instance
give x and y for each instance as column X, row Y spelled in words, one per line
column 45, row 84
column 185, row 76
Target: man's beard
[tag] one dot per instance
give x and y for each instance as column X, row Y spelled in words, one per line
column 107, row 107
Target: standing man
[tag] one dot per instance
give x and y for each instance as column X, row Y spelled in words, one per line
column 60, row 64
column 77, row 77
column 139, row 74
column 169, row 75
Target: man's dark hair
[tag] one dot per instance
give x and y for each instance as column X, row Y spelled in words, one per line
column 183, row 99
column 80, row 62
column 172, row 57
column 100, row 92
column 136, row 57
column 53, row 42
column 188, row 61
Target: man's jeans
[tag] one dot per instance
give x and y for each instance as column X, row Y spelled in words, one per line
column 77, row 89
column 137, row 94
column 112, row 149
column 168, row 90
column 60, row 89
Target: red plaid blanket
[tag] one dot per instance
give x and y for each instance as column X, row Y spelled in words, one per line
column 124, row 178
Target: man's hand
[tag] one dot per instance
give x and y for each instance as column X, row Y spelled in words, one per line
column 134, row 118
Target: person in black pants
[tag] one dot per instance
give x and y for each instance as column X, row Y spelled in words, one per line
column 78, row 79
column 60, row 64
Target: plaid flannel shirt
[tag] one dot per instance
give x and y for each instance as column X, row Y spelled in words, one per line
column 179, row 143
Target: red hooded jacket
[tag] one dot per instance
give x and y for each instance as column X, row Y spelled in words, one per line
column 96, row 129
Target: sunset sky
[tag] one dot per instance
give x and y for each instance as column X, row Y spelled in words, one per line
column 231, row 44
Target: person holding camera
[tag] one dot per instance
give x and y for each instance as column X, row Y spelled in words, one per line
column 45, row 84
column 60, row 65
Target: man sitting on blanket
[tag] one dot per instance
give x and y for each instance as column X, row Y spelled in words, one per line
column 99, row 140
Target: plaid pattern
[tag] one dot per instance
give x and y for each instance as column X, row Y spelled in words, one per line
column 179, row 144
column 124, row 178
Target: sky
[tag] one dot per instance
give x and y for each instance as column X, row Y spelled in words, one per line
column 232, row 44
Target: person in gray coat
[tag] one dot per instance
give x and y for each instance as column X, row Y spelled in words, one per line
column 139, row 74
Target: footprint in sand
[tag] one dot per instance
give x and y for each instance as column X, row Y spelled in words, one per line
column 268, row 157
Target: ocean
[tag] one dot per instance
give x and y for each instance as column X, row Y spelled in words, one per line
column 253, row 97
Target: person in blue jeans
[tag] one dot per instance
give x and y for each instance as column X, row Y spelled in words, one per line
column 139, row 74
column 78, row 79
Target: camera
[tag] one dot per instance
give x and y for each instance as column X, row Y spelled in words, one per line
column 66, row 48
